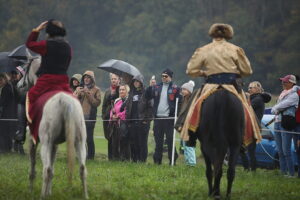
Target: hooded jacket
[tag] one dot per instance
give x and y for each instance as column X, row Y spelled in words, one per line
column 137, row 106
column 258, row 101
column 91, row 99
column 75, row 77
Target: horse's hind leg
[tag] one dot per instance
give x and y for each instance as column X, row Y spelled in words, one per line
column 209, row 172
column 81, row 154
column 32, row 153
column 46, row 155
column 233, row 156
column 53, row 154
column 218, row 172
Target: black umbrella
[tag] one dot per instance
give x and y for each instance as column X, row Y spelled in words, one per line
column 22, row 53
column 120, row 68
column 8, row 64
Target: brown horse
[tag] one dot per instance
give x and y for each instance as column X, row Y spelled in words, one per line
column 220, row 131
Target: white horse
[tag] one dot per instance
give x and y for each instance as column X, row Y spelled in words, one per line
column 62, row 120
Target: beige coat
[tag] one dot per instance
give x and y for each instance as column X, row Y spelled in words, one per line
column 217, row 57
column 90, row 98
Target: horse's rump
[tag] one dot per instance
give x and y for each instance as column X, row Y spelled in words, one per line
column 222, row 120
column 35, row 112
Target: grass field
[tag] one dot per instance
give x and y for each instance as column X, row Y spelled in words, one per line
column 121, row 180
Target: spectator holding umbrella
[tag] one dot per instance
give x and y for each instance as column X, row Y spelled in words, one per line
column 110, row 95
column 138, row 116
column 6, row 107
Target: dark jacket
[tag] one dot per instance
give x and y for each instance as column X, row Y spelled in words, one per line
column 56, row 54
column 108, row 102
column 258, row 101
column 140, row 109
column 153, row 92
column 7, row 102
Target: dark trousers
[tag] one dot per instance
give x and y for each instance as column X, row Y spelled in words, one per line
column 251, row 153
column 106, row 130
column 20, row 135
column 90, row 140
column 138, row 133
column 120, row 144
column 162, row 127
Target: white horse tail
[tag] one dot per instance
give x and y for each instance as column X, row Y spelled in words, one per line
column 70, row 113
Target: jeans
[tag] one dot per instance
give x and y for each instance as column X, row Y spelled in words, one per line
column 283, row 142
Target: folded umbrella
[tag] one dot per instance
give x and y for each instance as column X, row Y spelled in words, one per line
column 8, row 64
column 120, row 68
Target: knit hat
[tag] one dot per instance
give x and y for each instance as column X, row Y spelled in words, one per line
column 189, row 86
column 289, row 78
column 168, row 71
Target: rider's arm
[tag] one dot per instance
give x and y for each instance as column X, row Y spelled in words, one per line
column 243, row 63
column 194, row 67
column 39, row 47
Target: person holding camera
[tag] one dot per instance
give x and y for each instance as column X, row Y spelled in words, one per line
column 89, row 96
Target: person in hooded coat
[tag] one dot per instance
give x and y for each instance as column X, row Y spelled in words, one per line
column 138, row 116
column 75, row 81
column 258, row 99
column 90, row 98
column 6, row 107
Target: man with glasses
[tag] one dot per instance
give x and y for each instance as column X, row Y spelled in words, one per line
column 164, row 95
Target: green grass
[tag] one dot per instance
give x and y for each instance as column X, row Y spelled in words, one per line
column 122, row 180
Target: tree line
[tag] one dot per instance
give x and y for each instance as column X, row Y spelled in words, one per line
column 153, row 35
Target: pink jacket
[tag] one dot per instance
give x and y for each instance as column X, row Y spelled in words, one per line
column 116, row 110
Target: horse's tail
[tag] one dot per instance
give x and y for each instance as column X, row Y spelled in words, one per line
column 70, row 129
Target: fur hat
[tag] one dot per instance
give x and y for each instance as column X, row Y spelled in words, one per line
column 221, row 30
column 189, row 86
column 168, row 71
column 55, row 28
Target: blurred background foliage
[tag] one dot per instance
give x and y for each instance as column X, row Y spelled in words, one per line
column 156, row 34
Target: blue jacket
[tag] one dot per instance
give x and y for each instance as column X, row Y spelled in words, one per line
column 153, row 92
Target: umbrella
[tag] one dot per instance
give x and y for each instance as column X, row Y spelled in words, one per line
column 120, row 68
column 22, row 53
column 8, row 64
